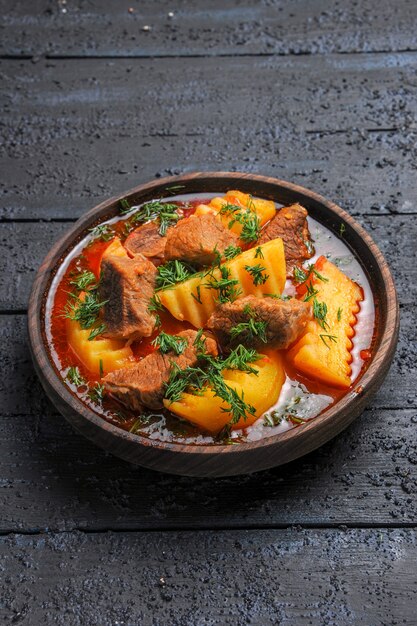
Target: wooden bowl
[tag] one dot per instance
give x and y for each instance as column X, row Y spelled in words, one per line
column 222, row 460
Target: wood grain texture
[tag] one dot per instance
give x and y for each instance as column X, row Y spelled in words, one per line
column 237, row 27
column 308, row 578
column 75, row 133
column 55, row 480
column 24, row 245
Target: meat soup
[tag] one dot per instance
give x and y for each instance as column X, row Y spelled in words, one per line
column 219, row 318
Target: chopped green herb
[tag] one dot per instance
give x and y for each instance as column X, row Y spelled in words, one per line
column 74, row 376
column 320, row 313
column 339, row 314
column 198, row 296
column 155, row 304
column 83, row 280
column 98, row 330
column 326, row 338
column 247, row 331
column 258, row 253
column 102, row 231
column 251, row 226
column 342, row 229
column 124, row 206
column 172, row 273
column 170, row 343
column 96, row 393
column 84, row 311
column 226, row 286
column 165, row 212
column 174, row 187
column 101, row 369
column 256, row 271
column 200, row 342
column 276, row 296
column 232, row 251
column 310, row 293
column 300, row 276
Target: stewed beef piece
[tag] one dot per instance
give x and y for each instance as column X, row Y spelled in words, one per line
column 290, row 224
column 259, row 322
column 142, row 384
column 198, row 239
column 146, row 240
column 127, row 286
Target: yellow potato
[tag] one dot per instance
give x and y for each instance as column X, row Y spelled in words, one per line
column 261, row 391
column 264, row 209
column 324, row 354
column 112, row 353
column 193, row 300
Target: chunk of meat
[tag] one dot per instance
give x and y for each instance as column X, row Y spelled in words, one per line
column 282, row 322
column 197, row 239
column 146, row 240
column 290, row 224
column 128, row 286
column 143, row 384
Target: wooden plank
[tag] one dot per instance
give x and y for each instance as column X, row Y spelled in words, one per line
column 128, row 27
column 54, row 479
column 308, row 578
column 24, row 245
column 76, row 132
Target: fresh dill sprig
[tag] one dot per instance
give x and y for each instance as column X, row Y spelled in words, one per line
column 300, row 276
column 251, row 225
column 320, row 313
column 98, row 330
column 310, row 293
column 227, row 287
column 231, row 251
column 96, row 393
column 173, row 272
column 276, row 296
column 239, row 359
column 256, row 271
column 325, row 338
column 258, row 253
column 102, row 231
column 165, row 212
column 200, row 342
column 169, row 343
column 124, row 206
column 75, row 377
column 83, row 280
column 84, row 311
column 197, row 296
column 195, row 379
column 155, row 304
column 248, row 331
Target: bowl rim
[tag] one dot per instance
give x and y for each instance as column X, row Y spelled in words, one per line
column 41, row 285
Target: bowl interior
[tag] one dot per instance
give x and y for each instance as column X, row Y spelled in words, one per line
column 324, row 211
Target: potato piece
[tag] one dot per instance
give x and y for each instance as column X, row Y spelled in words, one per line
column 260, row 391
column 113, row 353
column 264, row 209
column 193, row 300
column 324, row 354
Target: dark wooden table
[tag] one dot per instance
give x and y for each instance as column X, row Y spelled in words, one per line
column 99, row 96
